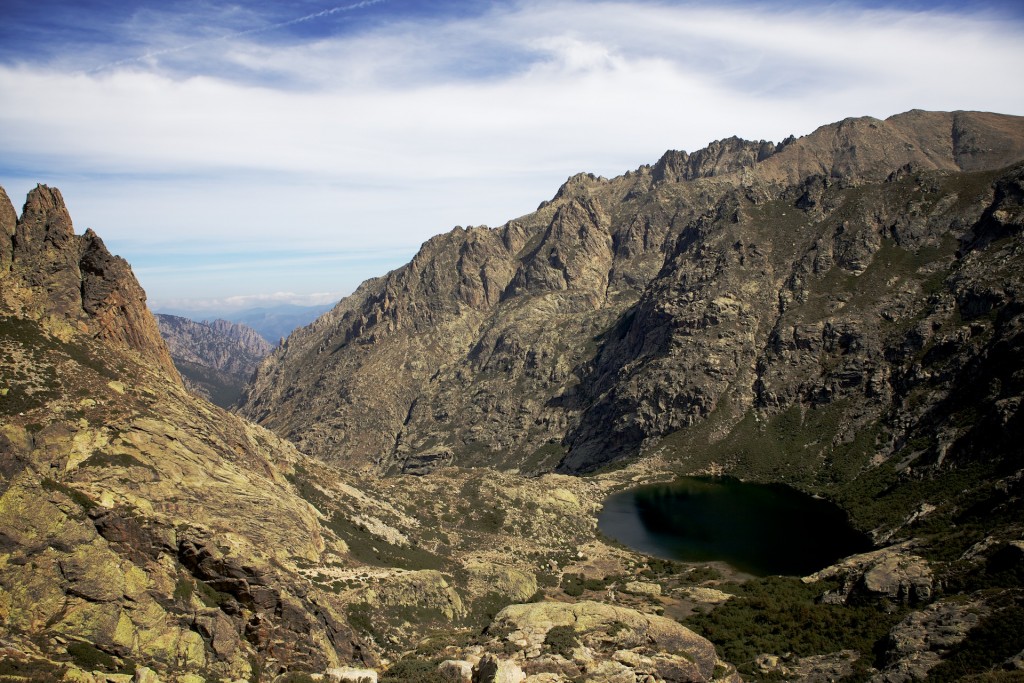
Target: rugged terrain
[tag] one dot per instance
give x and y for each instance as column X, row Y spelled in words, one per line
column 839, row 312
column 148, row 535
column 216, row 358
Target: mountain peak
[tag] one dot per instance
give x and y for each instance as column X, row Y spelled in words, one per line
column 52, row 274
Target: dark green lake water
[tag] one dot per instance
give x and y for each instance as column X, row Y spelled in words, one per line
column 760, row 529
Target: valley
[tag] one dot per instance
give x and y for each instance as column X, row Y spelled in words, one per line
column 411, row 485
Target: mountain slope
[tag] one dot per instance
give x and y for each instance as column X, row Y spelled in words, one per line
column 132, row 513
column 215, row 358
column 625, row 310
column 148, row 535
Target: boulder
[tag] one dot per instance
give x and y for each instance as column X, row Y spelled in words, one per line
column 606, row 627
column 491, row 669
column 455, row 671
column 893, row 573
column 642, row 588
column 351, row 675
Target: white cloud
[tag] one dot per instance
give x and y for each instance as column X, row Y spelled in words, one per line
column 238, row 303
column 390, row 136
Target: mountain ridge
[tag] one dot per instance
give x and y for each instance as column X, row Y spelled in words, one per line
column 579, row 267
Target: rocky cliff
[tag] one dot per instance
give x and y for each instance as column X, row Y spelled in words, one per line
column 216, row 358
column 839, row 311
column 71, row 282
column 743, row 282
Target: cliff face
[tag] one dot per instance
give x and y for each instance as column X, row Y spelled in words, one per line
column 216, row 358
column 741, row 281
column 51, row 274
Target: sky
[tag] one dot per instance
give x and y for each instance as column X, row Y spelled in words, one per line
column 246, row 153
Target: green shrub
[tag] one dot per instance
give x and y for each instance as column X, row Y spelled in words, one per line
column 35, row 671
column 781, row 614
column 411, row 670
column 998, row 637
column 82, row 500
column 88, row 657
column 183, row 591
column 572, row 585
column 296, row 677
column 562, row 640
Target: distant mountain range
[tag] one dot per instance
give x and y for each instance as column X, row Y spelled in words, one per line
column 215, row 358
column 272, row 322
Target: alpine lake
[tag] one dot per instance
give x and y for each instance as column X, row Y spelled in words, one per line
column 757, row 529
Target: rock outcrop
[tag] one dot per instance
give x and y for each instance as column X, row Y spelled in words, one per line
column 139, row 525
column 216, row 358
column 51, row 274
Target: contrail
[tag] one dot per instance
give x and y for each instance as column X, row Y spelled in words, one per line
column 237, row 34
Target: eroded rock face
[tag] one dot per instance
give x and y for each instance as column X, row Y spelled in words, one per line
column 643, row 644
column 893, row 573
column 920, row 641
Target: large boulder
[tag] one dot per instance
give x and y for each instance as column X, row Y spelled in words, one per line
column 645, row 643
column 894, row 573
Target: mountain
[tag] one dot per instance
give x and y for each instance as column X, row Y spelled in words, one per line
column 215, row 358
column 836, row 284
column 838, row 312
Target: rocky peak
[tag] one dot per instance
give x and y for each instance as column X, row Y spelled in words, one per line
column 719, row 158
column 8, row 225
column 57, row 276
column 44, row 219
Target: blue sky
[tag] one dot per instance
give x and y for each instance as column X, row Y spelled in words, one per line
column 248, row 152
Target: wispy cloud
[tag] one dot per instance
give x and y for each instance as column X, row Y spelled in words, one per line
column 233, row 35
column 390, row 132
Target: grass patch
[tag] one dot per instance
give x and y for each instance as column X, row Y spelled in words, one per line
column 90, row 658
column 369, row 549
column 210, row 596
column 35, row 671
column 183, row 591
column 125, row 460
